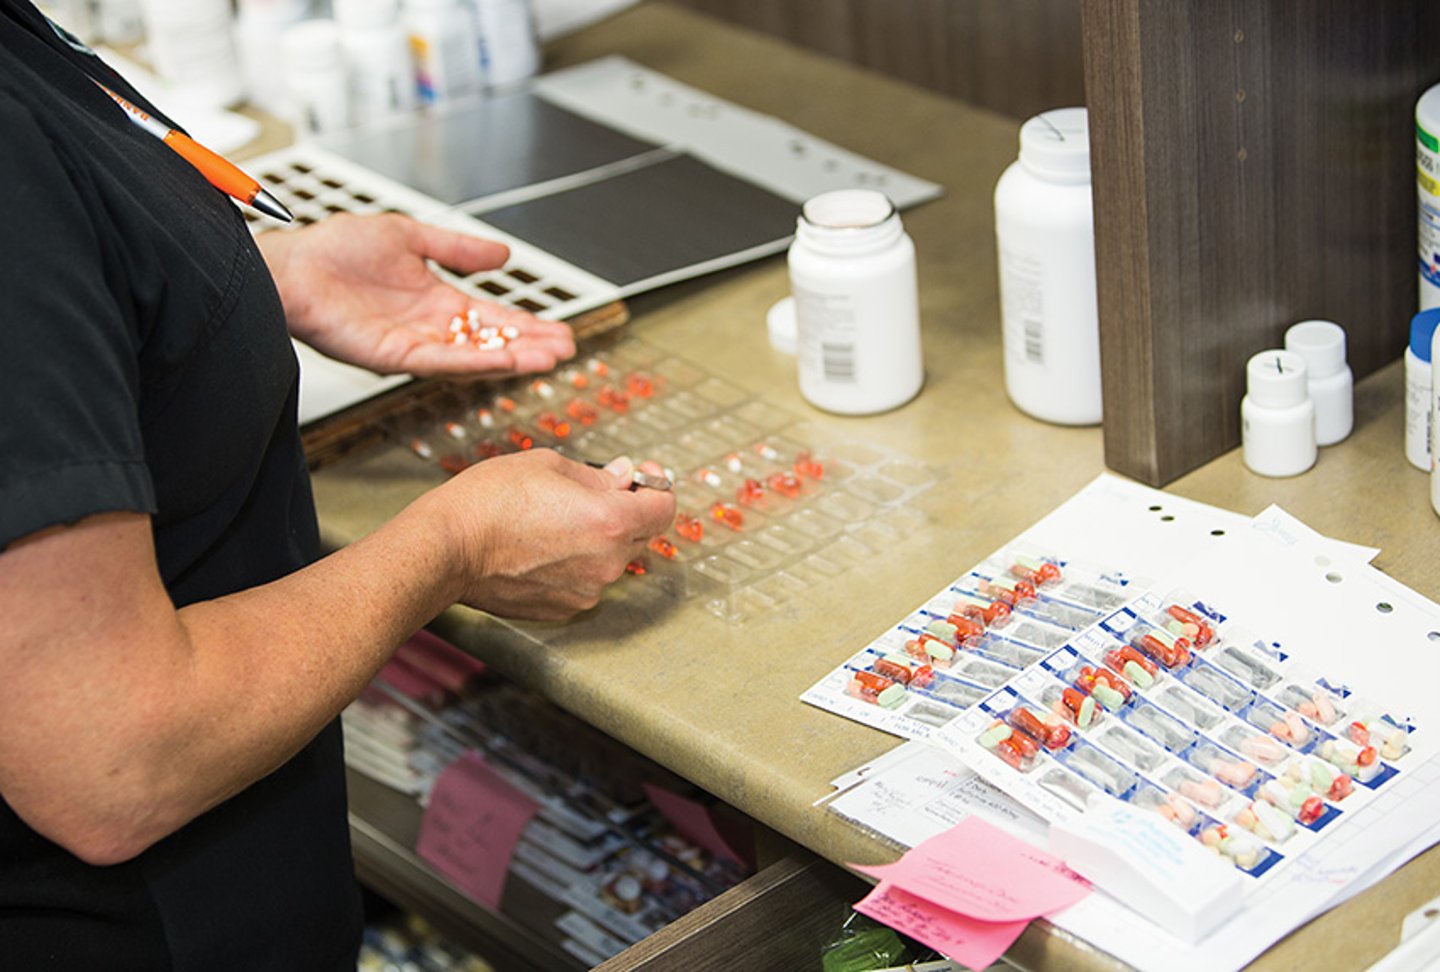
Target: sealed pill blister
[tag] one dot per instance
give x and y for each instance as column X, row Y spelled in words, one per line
column 1077, row 584
column 1231, row 769
column 1165, row 649
column 1324, row 778
column 1361, row 763
column 1003, row 650
column 1159, row 726
column 1018, row 750
column 871, row 686
column 982, row 671
column 1023, row 598
column 1173, row 807
column 900, row 668
column 1130, row 747
column 1286, row 725
column 1186, row 616
column 1367, row 728
column 1076, row 792
column 1240, row 847
column 1204, row 791
column 1313, row 702
column 1104, row 771
column 1253, row 744
column 1189, row 706
column 1293, row 794
column 1217, row 686
column 1137, row 669
column 1266, row 821
column 1246, row 667
column 953, row 691
column 1039, row 724
column 1107, row 688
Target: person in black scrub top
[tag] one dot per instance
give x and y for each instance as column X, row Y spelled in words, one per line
column 173, row 650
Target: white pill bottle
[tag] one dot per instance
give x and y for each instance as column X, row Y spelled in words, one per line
column 1045, row 233
column 192, row 45
column 446, row 49
column 379, row 69
column 1427, row 176
column 509, row 49
column 857, row 307
column 1277, row 417
column 316, row 89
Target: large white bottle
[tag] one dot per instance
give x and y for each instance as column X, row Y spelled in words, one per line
column 1045, row 235
column 379, row 67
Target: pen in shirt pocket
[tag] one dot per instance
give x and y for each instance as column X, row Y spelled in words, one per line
column 218, row 171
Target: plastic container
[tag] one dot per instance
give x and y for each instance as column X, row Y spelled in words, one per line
column 379, row 68
column 1277, row 417
column 1434, row 415
column 1418, row 384
column 852, row 272
column 509, row 50
column 262, row 63
column 1332, row 386
column 192, row 46
column 446, row 49
column 1427, row 172
column 315, row 77
column 1044, row 229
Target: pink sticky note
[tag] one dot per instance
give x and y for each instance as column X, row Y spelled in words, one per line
column 471, row 826
column 973, row 943
column 698, row 823
column 978, row 870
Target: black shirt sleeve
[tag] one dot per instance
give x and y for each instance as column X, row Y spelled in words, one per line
column 70, row 439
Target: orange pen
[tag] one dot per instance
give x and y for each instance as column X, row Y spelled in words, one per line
column 219, row 172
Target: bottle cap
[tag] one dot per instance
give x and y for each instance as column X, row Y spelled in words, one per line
column 1320, row 343
column 1422, row 330
column 1277, row 379
column 780, row 323
column 1056, row 145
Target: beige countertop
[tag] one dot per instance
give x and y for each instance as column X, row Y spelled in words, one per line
column 718, row 702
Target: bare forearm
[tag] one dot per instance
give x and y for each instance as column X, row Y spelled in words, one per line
column 111, row 750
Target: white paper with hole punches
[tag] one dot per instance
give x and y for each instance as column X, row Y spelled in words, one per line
column 1311, row 607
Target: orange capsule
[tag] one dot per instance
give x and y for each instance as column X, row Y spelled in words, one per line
column 1036, row 572
column 1203, row 631
column 487, row 449
column 892, row 670
column 505, row 404
column 965, row 628
column 727, row 514
column 453, row 463
column 553, row 424
column 663, row 547
column 808, row 466
column 750, row 492
column 640, row 385
column 786, row 484
column 1054, row 736
column 582, row 411
column 689, row 527
column 868, row 685
column 520, row 440
column 635, row 567
column 614, row 399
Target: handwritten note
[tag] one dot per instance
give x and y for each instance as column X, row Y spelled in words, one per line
column 471, row 826
column 976, row 944
column 978, row 870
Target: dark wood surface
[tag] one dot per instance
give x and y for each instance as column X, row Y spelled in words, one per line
column 1018, row 57
column 1253, row 167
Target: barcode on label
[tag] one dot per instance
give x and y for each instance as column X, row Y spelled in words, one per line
column 838, row 361
column 1035, row 340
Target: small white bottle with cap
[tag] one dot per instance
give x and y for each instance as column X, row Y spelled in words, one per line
column 379, row 69
column 315, row 77
column 1418, row 388
column 1277, row 417
column 857, row 307
column 1044, row 229
column 1332, row 386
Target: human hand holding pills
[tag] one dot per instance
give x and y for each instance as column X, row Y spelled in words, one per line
column 360, row 289
column 539, row 536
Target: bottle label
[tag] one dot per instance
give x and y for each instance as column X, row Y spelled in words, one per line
column 827, row 331
column 1023, row 293
column 1427, row 176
